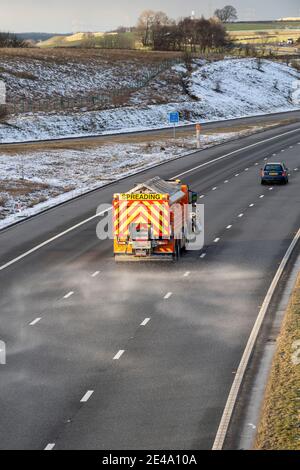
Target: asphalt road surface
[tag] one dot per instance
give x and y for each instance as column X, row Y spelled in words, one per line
column 142, row 356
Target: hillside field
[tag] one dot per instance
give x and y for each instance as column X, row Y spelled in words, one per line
column 211, row 90
column 241, row 32
column 260, row 26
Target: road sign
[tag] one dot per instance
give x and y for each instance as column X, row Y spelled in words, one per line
column 174, row 117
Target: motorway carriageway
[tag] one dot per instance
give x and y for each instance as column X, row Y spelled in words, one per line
column 103, row 356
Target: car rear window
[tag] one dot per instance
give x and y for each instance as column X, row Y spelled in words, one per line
column 273, row 168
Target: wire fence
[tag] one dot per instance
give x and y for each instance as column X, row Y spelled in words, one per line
column 96, row 100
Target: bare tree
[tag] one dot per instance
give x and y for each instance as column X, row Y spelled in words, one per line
column 226, row 14
column 144, row 25
column 11, row 40
column 188, row 34
column 89, row 41
column 191, row 35
column 259, row 64
column 168, row 38
column 149, row 23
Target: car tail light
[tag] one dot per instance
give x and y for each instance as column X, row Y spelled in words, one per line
column 284, row 173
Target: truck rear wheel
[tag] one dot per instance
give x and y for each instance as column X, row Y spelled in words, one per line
column 176, row 256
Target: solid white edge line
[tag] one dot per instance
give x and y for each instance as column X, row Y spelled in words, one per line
column 235, row 152
column 83, row 222
column 87, row 396
column 234, row 391
column 50, row 240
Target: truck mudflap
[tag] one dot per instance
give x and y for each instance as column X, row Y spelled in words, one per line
column 137, row 258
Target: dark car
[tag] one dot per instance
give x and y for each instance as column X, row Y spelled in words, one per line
column 274, row 173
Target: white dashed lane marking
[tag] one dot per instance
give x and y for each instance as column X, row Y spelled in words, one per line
column 216, row 240
column 168, row 295
column 87, row 396
column 50, row 447
column 145, row 322
column 95, row 274
column 67, row 296
column 34, row 322
column 203, row 255
column 186, row 274
column 119, row 355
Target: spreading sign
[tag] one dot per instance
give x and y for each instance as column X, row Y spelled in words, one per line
column 142, row 197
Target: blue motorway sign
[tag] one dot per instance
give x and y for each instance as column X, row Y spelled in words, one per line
column 174, row 117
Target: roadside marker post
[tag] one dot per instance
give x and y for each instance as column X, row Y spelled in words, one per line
column 198, row 134
column 174, row 119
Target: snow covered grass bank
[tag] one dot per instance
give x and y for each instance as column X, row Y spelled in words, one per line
column 212, row 91
column 32, row 182
column 37, row 74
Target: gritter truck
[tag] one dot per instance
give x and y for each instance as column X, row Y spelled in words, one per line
column 153, row 221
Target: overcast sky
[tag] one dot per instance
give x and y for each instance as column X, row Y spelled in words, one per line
column 102, row 15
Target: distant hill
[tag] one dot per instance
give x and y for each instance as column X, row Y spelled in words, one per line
column 37, row 37
column 111, row 40
column 292, row 18
column 67, row 40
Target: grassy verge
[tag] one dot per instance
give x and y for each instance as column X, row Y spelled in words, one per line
column 279, row 426
column 134, row 138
